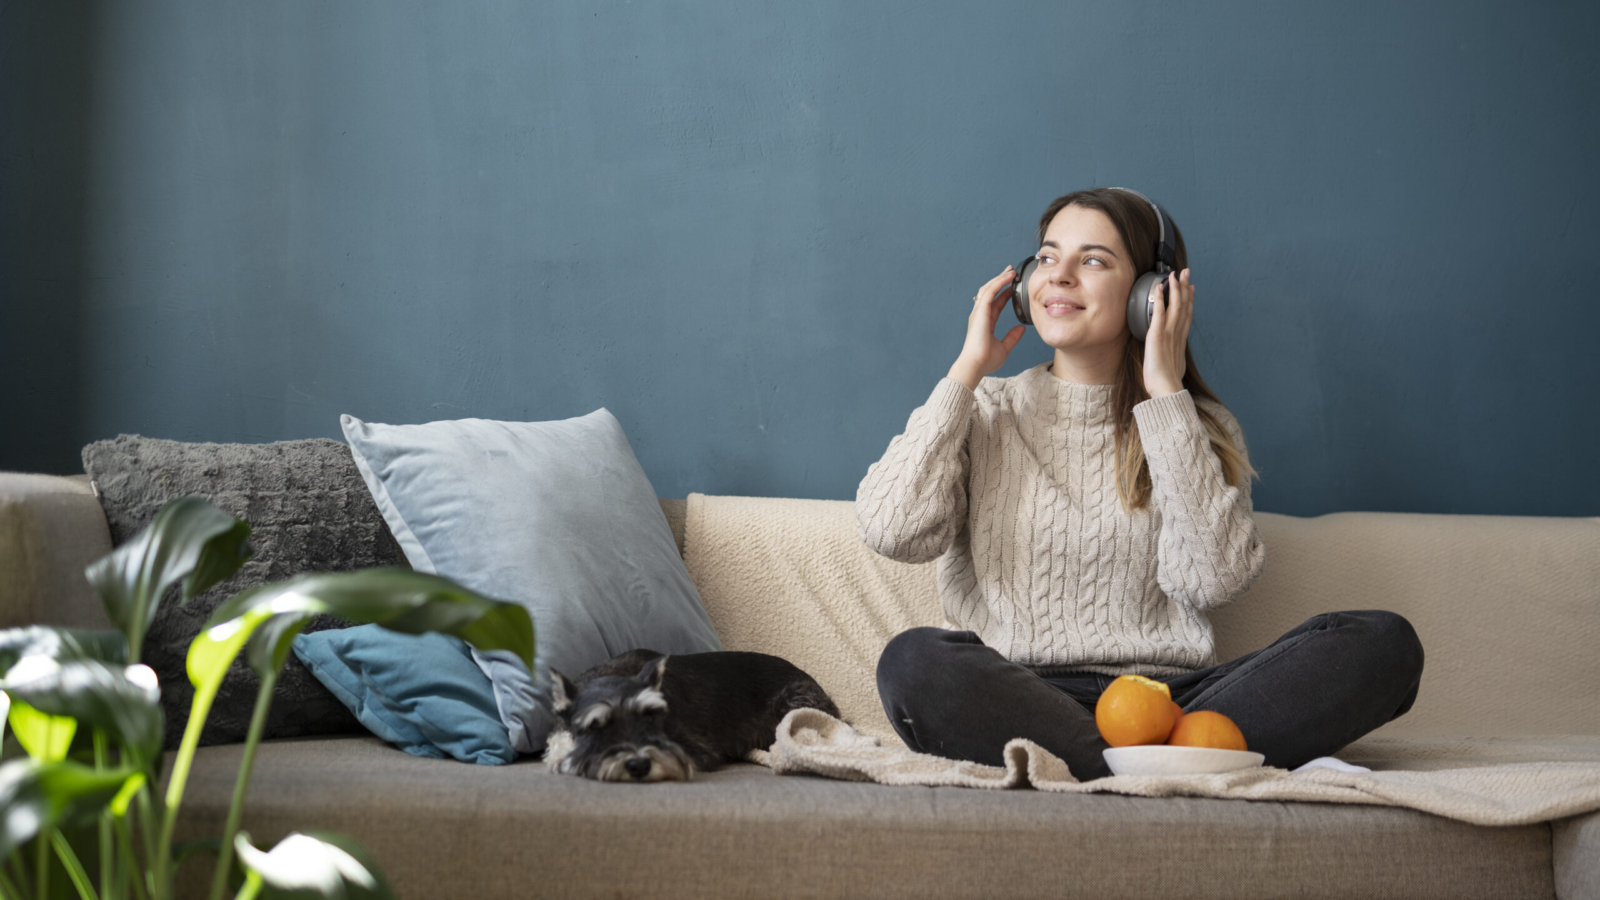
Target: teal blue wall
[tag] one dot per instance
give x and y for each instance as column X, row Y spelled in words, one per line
column 752, row 231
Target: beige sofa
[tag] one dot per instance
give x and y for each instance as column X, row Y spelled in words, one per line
column 1508, row 609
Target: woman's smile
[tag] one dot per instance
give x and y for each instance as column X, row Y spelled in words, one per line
column 1056, row 308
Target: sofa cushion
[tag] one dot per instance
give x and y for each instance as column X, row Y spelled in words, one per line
column 557, row 516
column 420, row 692
column 450, row 831
column 309, row 511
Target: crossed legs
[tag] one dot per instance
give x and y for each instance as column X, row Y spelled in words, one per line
column 1327, row 682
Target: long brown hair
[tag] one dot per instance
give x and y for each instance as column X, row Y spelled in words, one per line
column 1136, row 222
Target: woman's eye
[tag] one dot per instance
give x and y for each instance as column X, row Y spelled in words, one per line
column 1096, row 259
column 1046, row 260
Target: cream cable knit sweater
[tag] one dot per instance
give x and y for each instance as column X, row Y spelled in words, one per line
column 1012, row 488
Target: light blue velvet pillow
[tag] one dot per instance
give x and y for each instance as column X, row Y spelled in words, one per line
column 557, row 516
column 422, row 693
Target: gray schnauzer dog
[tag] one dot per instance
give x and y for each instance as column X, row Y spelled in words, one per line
column 644, row 717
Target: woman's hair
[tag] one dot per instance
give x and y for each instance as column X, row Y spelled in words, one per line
column 1136, row 222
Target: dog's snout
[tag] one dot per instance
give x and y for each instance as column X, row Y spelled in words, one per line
column 638, row 767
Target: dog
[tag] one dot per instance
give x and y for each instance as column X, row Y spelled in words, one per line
column 644, row 717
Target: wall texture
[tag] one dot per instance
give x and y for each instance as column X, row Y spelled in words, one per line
column 752, row 231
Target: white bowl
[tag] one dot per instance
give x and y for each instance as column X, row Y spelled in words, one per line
column 1160, row 759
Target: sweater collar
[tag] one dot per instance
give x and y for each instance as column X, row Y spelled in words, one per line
column 1086, row 401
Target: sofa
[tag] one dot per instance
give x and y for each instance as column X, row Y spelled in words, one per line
column 1508, row 609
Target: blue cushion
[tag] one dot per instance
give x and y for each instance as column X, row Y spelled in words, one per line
column 422, row 693
column 557, row 516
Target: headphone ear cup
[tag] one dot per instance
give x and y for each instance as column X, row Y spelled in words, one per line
column 1140, row 307
column 1019, row 291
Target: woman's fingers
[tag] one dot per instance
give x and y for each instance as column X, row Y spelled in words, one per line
column 1169, row 331
column 981, row 352
column 985, row 308
column 1012, row 336
column 994, row 286
column 1185, row 310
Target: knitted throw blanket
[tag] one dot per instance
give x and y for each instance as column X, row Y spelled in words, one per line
column 814, row 743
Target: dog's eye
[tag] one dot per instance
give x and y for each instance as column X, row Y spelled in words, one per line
column 649, row 702
column 592, row 718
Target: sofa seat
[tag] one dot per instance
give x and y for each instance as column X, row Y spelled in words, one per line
column 446, row 829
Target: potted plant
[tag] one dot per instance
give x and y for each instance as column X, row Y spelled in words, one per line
column 58, row 682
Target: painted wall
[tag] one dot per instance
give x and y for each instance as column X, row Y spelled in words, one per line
column 753, row 232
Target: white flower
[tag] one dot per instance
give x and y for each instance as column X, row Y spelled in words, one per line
column 143, row 677
column 33, row 668
column 301, row 862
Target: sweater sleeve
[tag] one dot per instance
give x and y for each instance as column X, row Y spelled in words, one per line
column 1209, row 551
column 913, row 501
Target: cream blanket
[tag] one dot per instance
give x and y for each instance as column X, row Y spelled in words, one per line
column 815, row 743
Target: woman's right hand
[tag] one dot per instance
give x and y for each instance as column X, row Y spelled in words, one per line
column 982, row 353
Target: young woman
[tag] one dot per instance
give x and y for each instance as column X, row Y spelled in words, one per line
column 1086, row 514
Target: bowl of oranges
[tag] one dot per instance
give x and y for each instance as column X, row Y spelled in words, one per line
column 1150, row 734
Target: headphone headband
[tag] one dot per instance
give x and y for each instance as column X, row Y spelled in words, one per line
column 1166, row 246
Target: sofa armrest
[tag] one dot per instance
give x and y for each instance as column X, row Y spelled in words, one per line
column 51, row 527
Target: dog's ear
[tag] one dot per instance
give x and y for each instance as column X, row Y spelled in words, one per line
column 650, row 675
column 562, row 691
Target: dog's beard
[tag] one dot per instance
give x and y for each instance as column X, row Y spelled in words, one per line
column 667, row 763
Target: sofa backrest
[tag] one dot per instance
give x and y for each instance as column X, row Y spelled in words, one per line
column 1508, row 608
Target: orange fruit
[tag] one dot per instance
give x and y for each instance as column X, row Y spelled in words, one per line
column 1136, row 710
column 1204, row 728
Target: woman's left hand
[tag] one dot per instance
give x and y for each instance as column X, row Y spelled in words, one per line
column 1169, row 334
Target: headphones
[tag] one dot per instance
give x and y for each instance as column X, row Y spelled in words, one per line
column 1141, row 305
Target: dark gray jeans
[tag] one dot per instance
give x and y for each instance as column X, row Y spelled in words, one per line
column 1329, row 681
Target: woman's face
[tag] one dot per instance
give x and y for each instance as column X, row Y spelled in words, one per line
column 1078, row 294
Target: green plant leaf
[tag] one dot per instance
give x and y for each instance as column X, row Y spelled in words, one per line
column 61, row 644
column 45, row 737
column 35, row 796
column 210, row 654
column 189, row 541
column 314, row 865
column 121, row 701
column 214, row 648
column 396, row 598
column 270, row 645
column 130, row 789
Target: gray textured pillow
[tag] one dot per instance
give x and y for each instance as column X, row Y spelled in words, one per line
column 309, row 510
